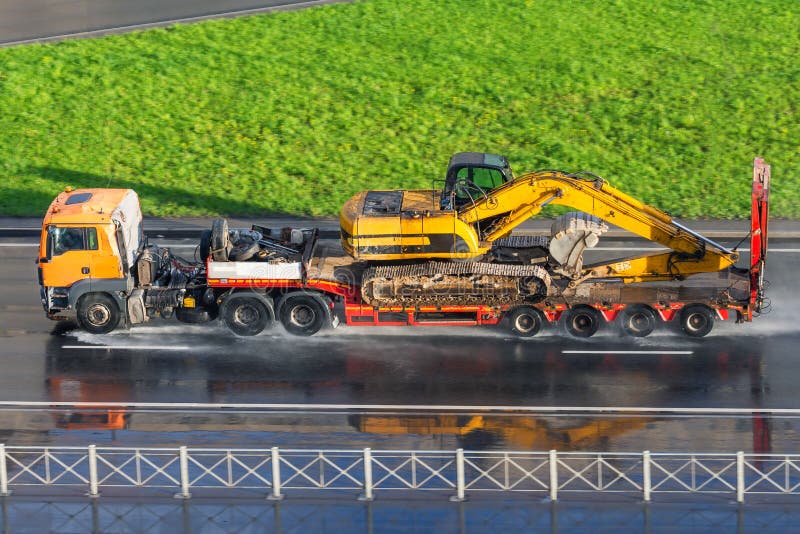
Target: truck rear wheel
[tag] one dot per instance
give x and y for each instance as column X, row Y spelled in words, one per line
column 525, row 321
column 638, row 320
column 98, row 313
column 245, row 315
column 582, row 321
column 303, row 314
column 697, row 320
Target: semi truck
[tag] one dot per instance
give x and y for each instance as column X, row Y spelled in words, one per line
column 439, row 257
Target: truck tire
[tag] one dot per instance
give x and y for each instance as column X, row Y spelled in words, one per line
column 244, row 250
column 582, row 321
column 98, row 313
column 245, row 315
column 697, row 320
column 303, row 314
column 525, row 321
column 638, row 320
column 219, row 239
column 205, row 245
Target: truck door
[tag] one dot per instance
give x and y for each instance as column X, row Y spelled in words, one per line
column 106, row 262
column 69, row 255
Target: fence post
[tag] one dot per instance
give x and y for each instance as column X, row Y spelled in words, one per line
column 459, row 496
column 553, row 475
column 740, row 477
column 367, row 495
column 3, row 472
column 93, row 472
column 646, row 475
column 183, row 457
column 276, row 476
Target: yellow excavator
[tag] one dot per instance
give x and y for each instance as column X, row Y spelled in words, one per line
column 404, row 236
column 482, row 202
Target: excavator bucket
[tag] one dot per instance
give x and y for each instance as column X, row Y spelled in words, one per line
column 758, row 233
column 572, row 233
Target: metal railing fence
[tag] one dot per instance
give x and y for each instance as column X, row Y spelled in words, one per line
column 366, row 472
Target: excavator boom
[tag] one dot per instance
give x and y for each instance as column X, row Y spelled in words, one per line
column 514, row 202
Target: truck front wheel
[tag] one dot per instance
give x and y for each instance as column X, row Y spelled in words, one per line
column 98, row 313
column 245, row 315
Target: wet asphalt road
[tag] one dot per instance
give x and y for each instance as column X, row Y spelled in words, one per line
column 752, row 366
column 22, row 20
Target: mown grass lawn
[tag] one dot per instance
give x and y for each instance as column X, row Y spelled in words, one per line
column 294, row 112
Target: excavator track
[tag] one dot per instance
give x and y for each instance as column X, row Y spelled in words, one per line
column 450, row 283
column 523, row 241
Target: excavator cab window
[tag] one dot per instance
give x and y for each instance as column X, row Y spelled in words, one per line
column 484, row 178
column 470, row 175
column 470, row 184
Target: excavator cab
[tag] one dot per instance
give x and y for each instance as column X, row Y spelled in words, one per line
column 470, row 175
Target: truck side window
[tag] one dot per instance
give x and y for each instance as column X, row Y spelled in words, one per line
column 91, row 238
column 66, row 239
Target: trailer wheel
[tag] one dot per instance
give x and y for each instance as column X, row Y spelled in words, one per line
column 638, row 320
column 582, row 321
column 525, row 321
column 98, row 313
column 245, row 315
column 302, row 315
column 219, row 239
column 697, row 320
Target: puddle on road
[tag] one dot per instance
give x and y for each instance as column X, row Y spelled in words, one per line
column 476, row 432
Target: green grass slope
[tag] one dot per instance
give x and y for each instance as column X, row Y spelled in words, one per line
column 294, row 112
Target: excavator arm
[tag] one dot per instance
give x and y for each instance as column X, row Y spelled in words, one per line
column 497, row 212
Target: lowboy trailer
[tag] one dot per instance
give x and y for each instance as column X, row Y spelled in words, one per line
column 95, row 265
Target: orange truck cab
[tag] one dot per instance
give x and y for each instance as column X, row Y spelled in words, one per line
column 89, row 243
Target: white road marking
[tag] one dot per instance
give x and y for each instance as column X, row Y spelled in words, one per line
column 308, row 408
column 656, row 249
column 599, row 249
column 627, row 352
column 127, row 347
column 608, row 249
